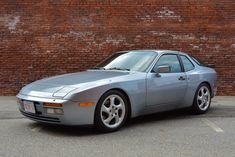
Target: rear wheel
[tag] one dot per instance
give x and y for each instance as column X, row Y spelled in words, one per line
column 111, row 111
column 202, row 99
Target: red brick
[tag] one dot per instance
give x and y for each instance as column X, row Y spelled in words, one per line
column 49, row 37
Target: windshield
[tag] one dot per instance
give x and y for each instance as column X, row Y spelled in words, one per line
column 131, row 61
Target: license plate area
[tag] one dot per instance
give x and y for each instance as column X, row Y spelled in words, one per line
column 29, row 106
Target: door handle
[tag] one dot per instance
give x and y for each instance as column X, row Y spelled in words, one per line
column 181, row 78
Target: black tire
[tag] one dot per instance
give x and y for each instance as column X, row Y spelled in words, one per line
column 196, row 109
column 99, row 124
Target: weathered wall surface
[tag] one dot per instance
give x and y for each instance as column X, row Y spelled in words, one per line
column 41, row 38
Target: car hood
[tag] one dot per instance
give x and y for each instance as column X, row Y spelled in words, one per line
column 59, row 86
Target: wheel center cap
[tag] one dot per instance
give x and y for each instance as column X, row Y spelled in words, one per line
column 113, row 110
column 204, row 99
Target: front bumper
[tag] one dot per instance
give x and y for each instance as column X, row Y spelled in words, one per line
column 73, row 114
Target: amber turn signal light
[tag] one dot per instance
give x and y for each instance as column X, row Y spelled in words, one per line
column 52, row 105
column 84, row 104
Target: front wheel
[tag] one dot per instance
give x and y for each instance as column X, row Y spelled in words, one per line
column 111, row 112
column 202, row 99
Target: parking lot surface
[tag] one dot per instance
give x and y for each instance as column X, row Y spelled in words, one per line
column 172, row 134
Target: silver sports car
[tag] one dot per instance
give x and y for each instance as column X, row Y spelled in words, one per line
column 126, row 85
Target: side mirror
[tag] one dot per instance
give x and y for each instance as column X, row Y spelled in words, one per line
column 162, row 69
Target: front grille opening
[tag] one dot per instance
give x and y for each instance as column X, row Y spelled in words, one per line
column 41, row 118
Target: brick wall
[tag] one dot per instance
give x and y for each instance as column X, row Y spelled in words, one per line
column 40, row 38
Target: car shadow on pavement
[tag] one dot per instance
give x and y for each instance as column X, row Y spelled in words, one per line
column 214, row 111
column 168, row 115
column 58, row 130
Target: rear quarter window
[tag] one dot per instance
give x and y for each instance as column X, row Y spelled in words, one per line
column 188, row 65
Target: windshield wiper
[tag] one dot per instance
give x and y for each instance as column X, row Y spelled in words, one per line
column 113, row 68
column 116, row 68
column 101, row 68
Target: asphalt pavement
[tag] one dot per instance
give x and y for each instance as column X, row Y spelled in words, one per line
column 169, row 134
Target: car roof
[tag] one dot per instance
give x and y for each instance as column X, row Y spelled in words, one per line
column 154, row 50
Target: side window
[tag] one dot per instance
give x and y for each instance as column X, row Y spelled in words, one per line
column 188, row 65
column 170, row 60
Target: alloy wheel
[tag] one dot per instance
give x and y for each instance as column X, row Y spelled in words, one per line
column 112, row 111
column 203, row 98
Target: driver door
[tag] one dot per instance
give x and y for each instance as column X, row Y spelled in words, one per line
column 166, row 88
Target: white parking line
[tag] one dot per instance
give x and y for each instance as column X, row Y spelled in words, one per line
column 212, row 125
column 36, row 129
